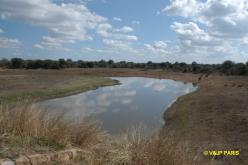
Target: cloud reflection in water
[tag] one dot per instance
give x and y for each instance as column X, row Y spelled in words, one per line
column 136, row 100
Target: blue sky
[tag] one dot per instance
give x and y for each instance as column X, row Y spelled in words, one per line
column 206, row 31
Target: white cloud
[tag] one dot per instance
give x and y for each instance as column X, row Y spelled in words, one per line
column 118, row 46
column 135, row 22
column 155, row 85
column 66, row 23
column 104, row 30
column 9, row 43
column 181, row 7
column 107, row 31
column 224, row 18
column 87, row 49
column 125, row 29
column 39, row 46
column 118, row 19
column 160, row 45
column 1, row 30
column 157, row 47
column 191, row 33
column 223, row 28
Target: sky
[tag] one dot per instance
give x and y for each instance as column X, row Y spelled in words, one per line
column 205, row 31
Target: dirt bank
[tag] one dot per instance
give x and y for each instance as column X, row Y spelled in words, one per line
column 214, row 118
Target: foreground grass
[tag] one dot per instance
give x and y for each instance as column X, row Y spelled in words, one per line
column 27, row 130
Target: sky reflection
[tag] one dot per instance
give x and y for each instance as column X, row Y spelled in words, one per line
column 135, row 101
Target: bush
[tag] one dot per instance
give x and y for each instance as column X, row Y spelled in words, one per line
column 17, row 63
column 227, row 67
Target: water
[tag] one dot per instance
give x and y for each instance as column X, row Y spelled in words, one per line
column 136, row 101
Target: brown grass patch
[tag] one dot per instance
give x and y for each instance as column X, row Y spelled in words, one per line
column 28, row 130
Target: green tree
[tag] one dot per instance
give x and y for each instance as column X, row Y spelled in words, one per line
column 4, row 63
column 239, row 69
column 226, row 66
column 17, row 63
column 62, row 63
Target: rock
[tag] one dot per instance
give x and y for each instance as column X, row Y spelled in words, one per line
column 23, row 160
column 7, row 162
column 64, row 156
column 39, row 159
column 46, row 159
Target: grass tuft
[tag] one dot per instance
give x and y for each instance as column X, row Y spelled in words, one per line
column 28, row 130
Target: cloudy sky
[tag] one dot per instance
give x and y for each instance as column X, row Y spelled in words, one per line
column 206, row 31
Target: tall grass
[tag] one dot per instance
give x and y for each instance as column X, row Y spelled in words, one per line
column 138, row 148
column 26, row 127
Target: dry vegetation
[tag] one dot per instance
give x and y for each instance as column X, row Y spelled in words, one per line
column 212, row 118
column 28, row 130
column 17, row 85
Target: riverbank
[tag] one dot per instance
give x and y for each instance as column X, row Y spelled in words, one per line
column 19, row 85
column 212, row 118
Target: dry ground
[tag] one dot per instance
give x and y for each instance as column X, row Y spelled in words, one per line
column 18, row 85
column 215, row 117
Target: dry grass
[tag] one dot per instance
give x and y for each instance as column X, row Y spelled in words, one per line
column 27, row 130
column 137, row 148
column 38, row 86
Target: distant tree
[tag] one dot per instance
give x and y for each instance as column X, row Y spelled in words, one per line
column 149, row 65
column 4, row 63
column 70, row 63
column 62, row 63
column 90, row 64
column 17, row 63
column 226, row 66
column 122, row 64
column 194, row 67
column 48, row 64
column 163, row 65
column 110, row 62
column 54, row 65
column 239, row 69
column 81, row 64
column 130, row 65
column 102, row 64
column 30, row 64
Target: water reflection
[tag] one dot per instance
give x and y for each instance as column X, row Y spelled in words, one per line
column 136, row 100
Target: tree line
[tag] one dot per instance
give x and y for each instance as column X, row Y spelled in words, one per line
column 227, row 67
